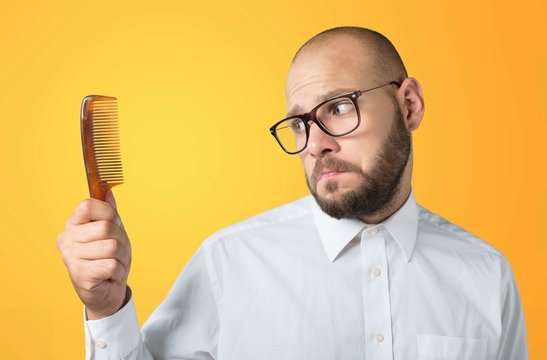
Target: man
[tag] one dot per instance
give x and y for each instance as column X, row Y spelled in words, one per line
column 358, row 271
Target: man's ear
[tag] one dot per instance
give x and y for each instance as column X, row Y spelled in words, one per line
column 411, row 99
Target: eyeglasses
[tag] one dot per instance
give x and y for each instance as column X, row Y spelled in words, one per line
column 337, row 116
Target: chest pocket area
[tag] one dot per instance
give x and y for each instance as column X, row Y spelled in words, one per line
column 433, row 347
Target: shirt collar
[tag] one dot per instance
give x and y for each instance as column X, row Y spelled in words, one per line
column 336, row 234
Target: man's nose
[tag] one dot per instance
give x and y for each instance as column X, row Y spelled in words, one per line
column 321, row 143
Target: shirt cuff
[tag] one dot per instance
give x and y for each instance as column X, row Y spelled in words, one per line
column 114, row 336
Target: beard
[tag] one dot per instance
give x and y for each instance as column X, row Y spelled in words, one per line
column 376, row 188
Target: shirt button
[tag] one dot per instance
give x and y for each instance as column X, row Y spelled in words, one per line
column 379, row 337
column 375, row 272
column 373, row 231
column 100, row 344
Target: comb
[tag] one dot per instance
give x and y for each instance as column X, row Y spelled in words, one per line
column 101, row 144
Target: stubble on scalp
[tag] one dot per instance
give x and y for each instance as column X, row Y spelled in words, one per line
column 386, row 61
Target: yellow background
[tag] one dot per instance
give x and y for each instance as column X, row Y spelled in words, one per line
column 199, row 83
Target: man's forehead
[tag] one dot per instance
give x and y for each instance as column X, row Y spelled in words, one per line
column 326, row 71
column 338, row 51
column 337, row 44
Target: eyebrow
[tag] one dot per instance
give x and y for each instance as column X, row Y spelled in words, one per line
column 297, row 109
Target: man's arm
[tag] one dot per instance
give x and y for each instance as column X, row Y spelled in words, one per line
column 513, row 342
column 184, row 326
column 97, row 253
column 116, row 336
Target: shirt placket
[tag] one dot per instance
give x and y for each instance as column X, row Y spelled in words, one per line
column 376, row 295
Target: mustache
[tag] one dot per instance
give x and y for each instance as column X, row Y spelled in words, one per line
column 333, row 164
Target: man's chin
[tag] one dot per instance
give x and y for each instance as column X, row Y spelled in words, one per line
column 331, row 192
column 333, row 203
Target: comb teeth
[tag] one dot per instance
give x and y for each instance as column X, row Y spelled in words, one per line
column 106, row 140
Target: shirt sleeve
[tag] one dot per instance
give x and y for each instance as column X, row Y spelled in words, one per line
column 116, row 336
column 183, row 326
column 513, row 340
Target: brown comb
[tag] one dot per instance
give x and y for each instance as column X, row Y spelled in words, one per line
column 101, row 144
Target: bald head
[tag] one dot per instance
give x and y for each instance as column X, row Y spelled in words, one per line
column 384, row 58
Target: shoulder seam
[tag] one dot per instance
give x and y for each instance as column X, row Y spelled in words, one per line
column 426, row 215
column 241, row 226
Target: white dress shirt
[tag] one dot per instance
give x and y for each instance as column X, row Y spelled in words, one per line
column 294, row 283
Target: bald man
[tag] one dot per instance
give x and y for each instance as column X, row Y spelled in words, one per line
column 357, row 270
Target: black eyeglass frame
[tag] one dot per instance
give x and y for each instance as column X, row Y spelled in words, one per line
column 310, row 116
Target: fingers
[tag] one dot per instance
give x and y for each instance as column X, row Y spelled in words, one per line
column 92, row 210
column 96, row 230
column 97, row 254
column 94, row 241
column 102, row 250
column 92, row 273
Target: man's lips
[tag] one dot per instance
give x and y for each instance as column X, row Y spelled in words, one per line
column 327, row 174
column 330, row 168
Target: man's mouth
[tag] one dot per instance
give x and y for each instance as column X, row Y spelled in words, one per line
column 331, row 168
column 328, row 174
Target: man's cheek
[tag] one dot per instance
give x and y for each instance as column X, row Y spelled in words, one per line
column 308, row 169
column 309, row 180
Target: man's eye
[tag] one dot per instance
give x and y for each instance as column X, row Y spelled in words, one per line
column 298, row 125
column 342, row 108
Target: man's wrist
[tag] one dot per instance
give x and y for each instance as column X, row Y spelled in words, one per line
column 100, row 314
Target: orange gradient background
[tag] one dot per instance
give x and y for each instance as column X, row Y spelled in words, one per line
column 199, row 83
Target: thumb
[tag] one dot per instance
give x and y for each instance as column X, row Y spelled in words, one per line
column 110, row 199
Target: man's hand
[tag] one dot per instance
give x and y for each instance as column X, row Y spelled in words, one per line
column 97, row 253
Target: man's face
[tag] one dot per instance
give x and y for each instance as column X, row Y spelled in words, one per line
column 357, row 174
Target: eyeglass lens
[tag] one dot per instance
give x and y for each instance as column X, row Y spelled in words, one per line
column 338, row 116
